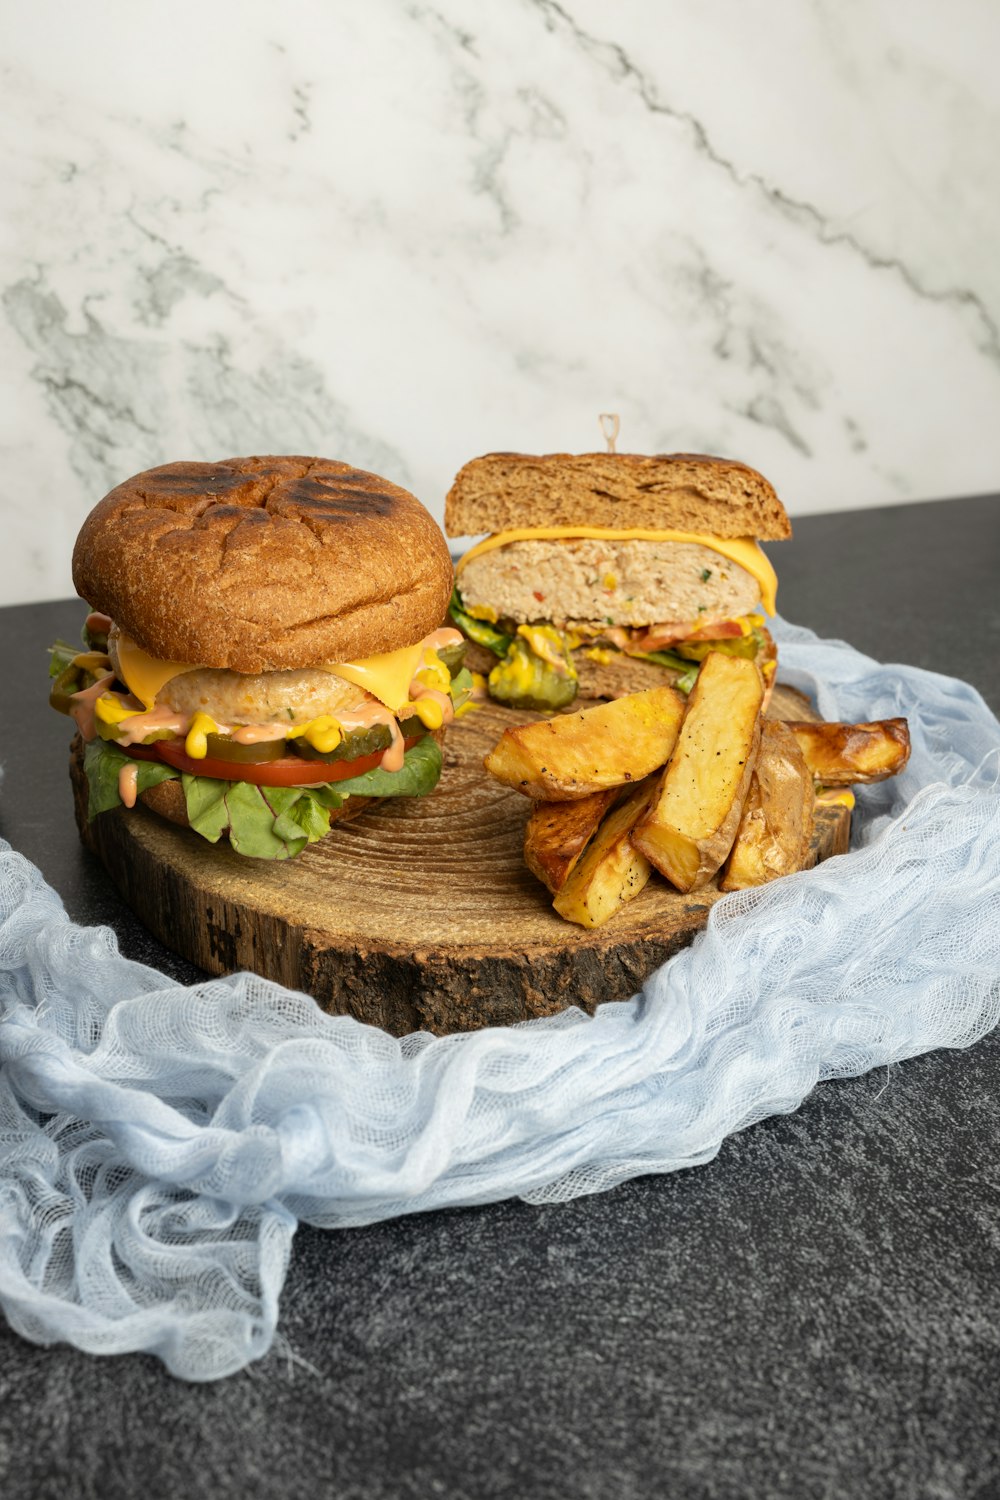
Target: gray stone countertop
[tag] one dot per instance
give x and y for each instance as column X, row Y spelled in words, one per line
column 815, row 1313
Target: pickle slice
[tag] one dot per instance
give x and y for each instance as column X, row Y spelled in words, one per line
column 477, row 630
column 453, row 657
column 63, row 687
column 356, row 742
column 82, row 672
column 740, row 645
column 222, row 747
column 525, row 680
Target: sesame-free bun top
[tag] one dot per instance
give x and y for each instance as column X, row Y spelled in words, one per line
column 664, row 491
column 261, row 564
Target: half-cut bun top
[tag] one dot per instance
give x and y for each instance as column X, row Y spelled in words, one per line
column 668, row 491
column 261, row 564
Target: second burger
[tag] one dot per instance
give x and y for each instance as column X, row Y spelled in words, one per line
column 609, row 573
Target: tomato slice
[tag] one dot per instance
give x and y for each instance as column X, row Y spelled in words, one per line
column 291, row 770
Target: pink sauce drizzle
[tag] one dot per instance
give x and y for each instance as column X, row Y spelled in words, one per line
column 392, row 759
column 128, row 784
column 439, row 639
column 82, row 706
column 365, row 715
column 418, row 690
column 134, row 730
column 258, row 734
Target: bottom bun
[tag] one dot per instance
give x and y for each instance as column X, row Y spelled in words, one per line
column 479, row 658
column 167, row 800
column 619, row 676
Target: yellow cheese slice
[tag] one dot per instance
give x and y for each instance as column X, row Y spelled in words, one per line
column 743, row 551
column 386, row 677
column 146, row 675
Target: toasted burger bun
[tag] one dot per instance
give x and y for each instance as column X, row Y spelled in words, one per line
column 667, row 491
column 264, row 564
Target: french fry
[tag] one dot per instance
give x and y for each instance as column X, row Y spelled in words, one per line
column 574, row 755
column 557, row 833
column 611, row 871
column 691, row 825
column 775, row 829
column 840, row 754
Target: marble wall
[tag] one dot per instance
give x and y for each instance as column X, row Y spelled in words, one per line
column 405, row 233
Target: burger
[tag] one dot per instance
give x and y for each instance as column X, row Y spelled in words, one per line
column 265, row 651
column 607, row 573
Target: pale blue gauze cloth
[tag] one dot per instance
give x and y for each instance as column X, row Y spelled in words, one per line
column 158, row 1144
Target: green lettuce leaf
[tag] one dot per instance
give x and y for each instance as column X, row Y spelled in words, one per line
column 255, row 813
column 277, row 822
column 461, row 688
column 663, row 659
column 302, row 811
column 102, row 762
column 206, row 806
column 262, row 822
column 420, row 774
column 61, row 655
column 687, row 669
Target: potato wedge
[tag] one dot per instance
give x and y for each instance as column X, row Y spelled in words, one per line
column 776, row 826
column 558, row 832
column 611, row 871
column 691, row 825
column 839, row 754
column 834, row 796
column 575, row 755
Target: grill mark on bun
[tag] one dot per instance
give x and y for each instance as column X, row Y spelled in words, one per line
column 351, row 494
column 264, row 563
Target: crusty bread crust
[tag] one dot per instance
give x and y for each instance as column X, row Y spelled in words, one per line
column 167, row 800
column 677, row 491
column 259, row 564
column 479, row 658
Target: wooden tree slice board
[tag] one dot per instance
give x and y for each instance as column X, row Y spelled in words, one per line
column 420, row 915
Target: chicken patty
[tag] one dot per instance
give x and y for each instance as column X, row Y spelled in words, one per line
column 607, row 582
column 292, row 697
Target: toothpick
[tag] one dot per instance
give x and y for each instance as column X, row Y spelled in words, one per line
column 610, row 423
